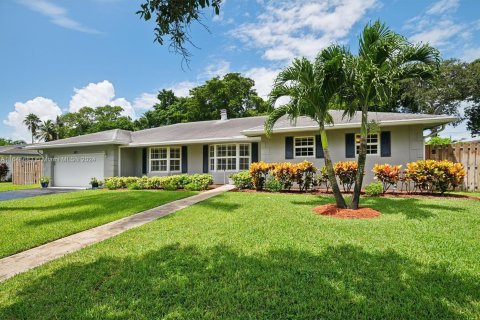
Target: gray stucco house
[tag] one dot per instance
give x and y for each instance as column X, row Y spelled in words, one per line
column 222, row 147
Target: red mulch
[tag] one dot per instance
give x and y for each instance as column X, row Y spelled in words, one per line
column 331, row 210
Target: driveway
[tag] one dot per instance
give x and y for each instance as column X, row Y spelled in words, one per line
column 28, row 193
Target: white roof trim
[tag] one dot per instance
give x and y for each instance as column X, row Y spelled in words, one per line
column 192, row 141
column 437, row 120
column 72, row 144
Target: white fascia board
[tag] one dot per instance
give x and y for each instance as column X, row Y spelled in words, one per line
column 196, row 141
column 425, row 121
column 71, row 144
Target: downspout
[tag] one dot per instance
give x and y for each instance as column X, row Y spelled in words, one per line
column 434, row 131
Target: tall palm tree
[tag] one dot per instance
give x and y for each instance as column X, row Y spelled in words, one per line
column 312, row 89
column 47, row 131
column 385, row 58
column 32, row 122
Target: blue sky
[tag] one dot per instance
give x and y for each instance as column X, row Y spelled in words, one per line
column 58, row 56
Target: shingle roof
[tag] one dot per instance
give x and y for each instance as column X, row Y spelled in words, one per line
column 232, row 129
column 16, row 150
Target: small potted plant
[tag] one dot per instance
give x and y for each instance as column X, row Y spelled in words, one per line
column 44, row 181
column 94, row 182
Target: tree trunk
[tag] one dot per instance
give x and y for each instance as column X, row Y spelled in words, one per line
column 362, row 157
column 340, row 201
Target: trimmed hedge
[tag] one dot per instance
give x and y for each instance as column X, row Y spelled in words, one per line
column 194, row 182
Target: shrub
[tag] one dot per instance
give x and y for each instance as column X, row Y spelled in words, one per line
column 304, row 174
column 258, row 172
column 135, row 186
column 193, row 186
column 171, row 185
column 202, row 180
column 242, row 180
column 322, row 177
column 273, row 185
column 346, row 172
column 387, row 174
column 285, row 173
column 374, row 189
column 110, row 184
column 431, row 175
column 439, row 141
column 154, row 182
column 3, row 171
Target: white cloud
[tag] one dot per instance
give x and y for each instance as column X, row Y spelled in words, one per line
column 99, row 94
column 58, row 15
column 263, row 78
column 145, row 101
column 443, row 6
column 439, row 34
column 471, row 54
column 45, row 109
column 289, row 29
column 218, row 69
column 182, row 89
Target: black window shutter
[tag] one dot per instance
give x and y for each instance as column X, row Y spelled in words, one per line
column 184, row 159
column 205, row 158
column 350, row 145
column 385, row 144
column 318, row 147
column 254, row 151
column 144, row 161
column 288, row 147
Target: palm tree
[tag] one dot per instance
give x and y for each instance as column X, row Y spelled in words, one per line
column 384, row 59
column 32, row 121
column 312, row 89
column 47, row 131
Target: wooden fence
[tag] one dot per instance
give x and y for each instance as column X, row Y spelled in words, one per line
column 26, row 171
column 467, row 154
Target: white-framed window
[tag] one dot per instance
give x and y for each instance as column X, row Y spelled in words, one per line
column 229, row 157
column 166, row 159
column 304, row 147
column 373, row 141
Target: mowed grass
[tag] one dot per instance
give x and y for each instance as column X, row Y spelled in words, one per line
column 267, row 256
column 30, row 222
column 8, row 186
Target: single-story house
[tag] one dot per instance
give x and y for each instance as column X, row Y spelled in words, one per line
column 16, row 152
column 222, row 147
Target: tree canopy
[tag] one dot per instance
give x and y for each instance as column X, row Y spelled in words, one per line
column 10, row 142
column 233, row 92
column 173, row 20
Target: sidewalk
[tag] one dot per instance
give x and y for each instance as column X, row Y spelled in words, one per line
column 35, row 257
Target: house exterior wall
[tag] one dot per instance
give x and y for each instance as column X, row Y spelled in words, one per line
column 110, row 162
column 406, row 145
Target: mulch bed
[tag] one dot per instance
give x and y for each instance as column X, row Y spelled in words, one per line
column 331, row 210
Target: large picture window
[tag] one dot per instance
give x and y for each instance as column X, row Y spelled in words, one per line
column 372, row 143
column 229, row 157
column 304, row 146
column 165, row 159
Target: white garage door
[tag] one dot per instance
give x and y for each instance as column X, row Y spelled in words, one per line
column 75, row 170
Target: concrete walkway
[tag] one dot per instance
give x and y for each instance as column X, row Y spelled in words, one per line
column 37, row 256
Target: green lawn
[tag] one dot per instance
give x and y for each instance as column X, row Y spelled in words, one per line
column 8, row 186
column 27, row 223
column 466, row 193
column 267, row 256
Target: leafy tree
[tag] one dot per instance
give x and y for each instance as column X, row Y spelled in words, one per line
column 473, row 119
column 385, row 58
column 91, row 120
column 312, row 89
column 173, row 19
column 10, row 142
column 439, row 141
column 32, row 121
column 47, row 131
column 233, row 92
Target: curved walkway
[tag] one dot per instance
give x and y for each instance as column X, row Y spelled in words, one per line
column 35, row 257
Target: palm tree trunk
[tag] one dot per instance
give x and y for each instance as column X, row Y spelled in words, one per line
column 340, row 201
column 362, row 157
